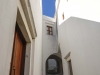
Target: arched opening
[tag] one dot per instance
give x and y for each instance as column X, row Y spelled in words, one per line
column 54, row 65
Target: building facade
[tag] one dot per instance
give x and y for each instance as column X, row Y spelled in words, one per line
column 35, row 44
column 51, row 54
column 78, row 25
column 21, row 40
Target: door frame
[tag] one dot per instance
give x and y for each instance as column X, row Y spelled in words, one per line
column 24, row 26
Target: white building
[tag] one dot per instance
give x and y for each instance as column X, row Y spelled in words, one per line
column 20, row 37
column 49, row 45
column 78, row 24
column 34, row 44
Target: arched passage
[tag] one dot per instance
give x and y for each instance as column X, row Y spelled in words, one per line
column 54, row 65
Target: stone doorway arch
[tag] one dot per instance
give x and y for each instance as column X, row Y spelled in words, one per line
column 54, row 65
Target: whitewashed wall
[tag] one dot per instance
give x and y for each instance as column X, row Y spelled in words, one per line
column 36, row 6
column 49, row 42
column 8, row 13
column 8, row 18
column 85, row 9
column 82, row 38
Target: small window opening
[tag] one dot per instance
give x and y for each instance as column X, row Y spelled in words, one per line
column 49, row 30
column 63, row 17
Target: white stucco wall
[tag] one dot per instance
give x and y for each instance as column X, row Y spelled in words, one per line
column 81, row 38
column 8, row 20
column 37, row 14
column 85, row 9
column 8, row 15
column 49, row 42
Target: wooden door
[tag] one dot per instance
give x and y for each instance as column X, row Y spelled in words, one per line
column 18, row 56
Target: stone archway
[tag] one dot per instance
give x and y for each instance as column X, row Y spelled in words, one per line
column 54, row 65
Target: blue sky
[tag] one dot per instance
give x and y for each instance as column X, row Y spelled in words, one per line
column 48, row 7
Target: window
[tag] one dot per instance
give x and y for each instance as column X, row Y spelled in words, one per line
column 63, row 16
column 49, row 31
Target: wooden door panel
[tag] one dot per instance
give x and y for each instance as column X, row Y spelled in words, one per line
column 18, row 53
column 17, row 57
